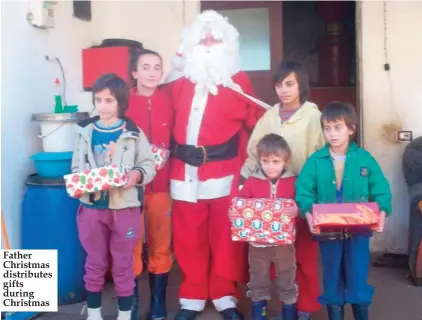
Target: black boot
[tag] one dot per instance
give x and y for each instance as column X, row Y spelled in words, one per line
column 289, row 312
column 259, row 310
column 135, row 303
column 231, row 314
column 158, row 286
column 185, row 314
column 335, row 312
column 360, row 311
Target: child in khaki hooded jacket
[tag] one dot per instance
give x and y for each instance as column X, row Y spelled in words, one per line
column 298, row 121
column 108, row 221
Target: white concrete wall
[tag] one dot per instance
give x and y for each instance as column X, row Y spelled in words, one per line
column 391, row 99
column 27, row 79
column 27, row 87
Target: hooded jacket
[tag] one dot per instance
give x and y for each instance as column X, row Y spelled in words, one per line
column 259, row 186
column 302, row 132
column 132, row 148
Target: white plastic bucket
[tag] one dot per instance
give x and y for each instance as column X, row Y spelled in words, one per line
column 58, row 130
column 58, row 137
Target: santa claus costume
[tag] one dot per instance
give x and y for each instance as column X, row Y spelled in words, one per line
column 214, row 113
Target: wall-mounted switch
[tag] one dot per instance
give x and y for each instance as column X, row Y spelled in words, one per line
column 403, row 136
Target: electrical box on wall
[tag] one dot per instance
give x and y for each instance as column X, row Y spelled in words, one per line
column 41, row 13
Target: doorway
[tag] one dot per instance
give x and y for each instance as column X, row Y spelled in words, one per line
column 319, row 34
column 261, row 47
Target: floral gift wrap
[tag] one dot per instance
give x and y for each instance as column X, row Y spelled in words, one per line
column 345, row 215
column 99, row 179
column 263, row 221
column 161, row 156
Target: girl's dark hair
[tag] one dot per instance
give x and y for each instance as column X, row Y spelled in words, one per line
column 118, row 88
column 335, row 110
column 134, row 56
column 287, row 67
column 273, row 144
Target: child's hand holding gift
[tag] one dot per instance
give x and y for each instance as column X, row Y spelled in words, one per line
column 380, row 227
column 232, row 214
column 134, row 176
column 309, row 220
column 291, row 212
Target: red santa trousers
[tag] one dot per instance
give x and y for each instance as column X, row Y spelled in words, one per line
column 307, row 269
column 210, row 262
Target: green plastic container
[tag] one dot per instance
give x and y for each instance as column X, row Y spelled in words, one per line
column 70, row 109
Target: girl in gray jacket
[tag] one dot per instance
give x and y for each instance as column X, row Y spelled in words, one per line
column 109, row 221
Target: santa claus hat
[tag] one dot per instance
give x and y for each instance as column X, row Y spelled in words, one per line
column 192, row 34
column 208, row 21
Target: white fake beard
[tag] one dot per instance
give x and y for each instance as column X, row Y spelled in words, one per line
column 209, row 67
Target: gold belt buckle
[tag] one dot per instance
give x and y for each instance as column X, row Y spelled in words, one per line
column 204, row 152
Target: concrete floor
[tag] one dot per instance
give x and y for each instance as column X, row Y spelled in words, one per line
column 395, row 299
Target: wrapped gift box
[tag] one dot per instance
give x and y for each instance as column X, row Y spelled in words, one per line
column 345, row 215
column 262, row 221
column 161, row 156
column 99, row 179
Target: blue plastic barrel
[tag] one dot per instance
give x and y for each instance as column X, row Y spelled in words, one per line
column 49, row 222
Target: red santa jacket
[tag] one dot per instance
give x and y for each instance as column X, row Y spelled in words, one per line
column 154, row 115
column 257, row 187
column 202, row 119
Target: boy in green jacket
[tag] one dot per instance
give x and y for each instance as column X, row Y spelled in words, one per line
column 342, row 172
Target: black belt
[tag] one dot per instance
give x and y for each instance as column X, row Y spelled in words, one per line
column 331, row 234
column 199, row 155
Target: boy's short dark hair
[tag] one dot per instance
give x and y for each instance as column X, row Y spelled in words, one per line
column 340, row 111
column 273, row 144
column 287, row 67
column 118, row 88
column 134, row 56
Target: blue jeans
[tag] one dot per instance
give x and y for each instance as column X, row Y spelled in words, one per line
column 345, row 265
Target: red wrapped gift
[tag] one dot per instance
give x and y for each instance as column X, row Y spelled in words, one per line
column 345, row 215
column 263, row 221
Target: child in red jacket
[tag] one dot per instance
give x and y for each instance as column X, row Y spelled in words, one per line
column 151, row 110
column 272, row 180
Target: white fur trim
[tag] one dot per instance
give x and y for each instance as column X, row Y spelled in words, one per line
column 224, row 303
column 192, row 191
column 199, row 103
column 192, row 304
